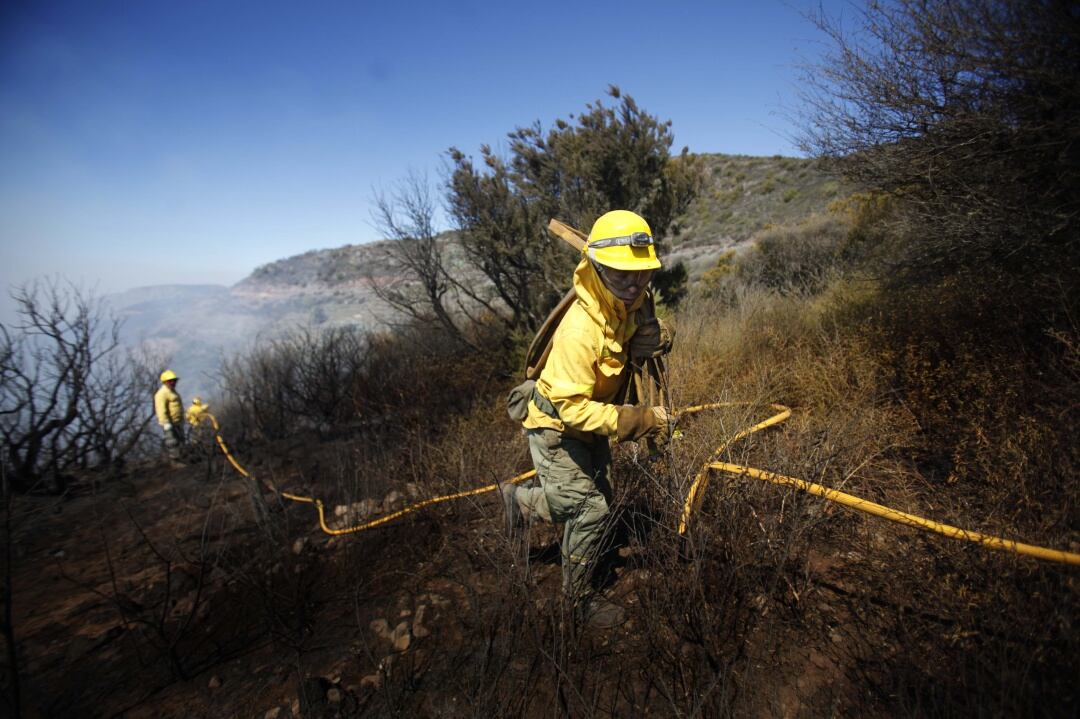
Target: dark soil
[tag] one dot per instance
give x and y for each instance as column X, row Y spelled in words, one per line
column 191, row 593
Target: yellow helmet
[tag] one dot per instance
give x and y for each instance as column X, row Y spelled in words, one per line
column 168, row 375
column 622, row 240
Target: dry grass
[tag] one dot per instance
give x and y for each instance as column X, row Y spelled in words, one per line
column 950, row 428
column 777, row 603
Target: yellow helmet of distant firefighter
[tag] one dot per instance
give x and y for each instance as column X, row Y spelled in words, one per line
column 168, row 375
column 622, row 240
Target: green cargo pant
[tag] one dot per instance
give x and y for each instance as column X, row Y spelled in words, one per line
column 575, row 488
column 174, row 441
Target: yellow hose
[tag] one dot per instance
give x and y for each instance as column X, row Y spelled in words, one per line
column 199, row 412
column 893, row 515
column 697, row 490
column 401, row 512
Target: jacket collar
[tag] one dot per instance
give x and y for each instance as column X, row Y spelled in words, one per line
column 604, row 308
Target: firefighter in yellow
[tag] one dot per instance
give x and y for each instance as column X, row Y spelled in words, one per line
column 572, row 412
column 169, row 409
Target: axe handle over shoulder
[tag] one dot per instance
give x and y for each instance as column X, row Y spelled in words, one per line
column 575, row 238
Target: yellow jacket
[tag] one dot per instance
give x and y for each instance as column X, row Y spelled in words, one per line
column 584, row 371
column 168, row 406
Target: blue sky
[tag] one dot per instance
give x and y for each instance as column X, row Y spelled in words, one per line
column 152, row 142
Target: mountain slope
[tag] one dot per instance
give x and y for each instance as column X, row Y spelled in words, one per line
column 193, row 326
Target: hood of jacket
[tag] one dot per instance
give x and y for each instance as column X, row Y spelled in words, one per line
column 604, row 308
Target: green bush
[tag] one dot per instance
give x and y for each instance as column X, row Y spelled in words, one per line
column 799, row 259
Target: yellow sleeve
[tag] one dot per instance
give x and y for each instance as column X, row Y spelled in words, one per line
column 161, row 407
column 570, row 376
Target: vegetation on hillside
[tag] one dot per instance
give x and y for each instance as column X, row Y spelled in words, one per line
column 743, row 194
column 606, row 157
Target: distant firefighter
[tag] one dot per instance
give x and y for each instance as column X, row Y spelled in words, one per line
column 170, row 414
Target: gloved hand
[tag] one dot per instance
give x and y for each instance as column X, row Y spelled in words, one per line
column 652, row 338
column 637, row 421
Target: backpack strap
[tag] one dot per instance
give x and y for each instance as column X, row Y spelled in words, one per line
column 536, row 357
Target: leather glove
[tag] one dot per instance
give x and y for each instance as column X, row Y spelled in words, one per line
column 652, row 338
column 636, row 421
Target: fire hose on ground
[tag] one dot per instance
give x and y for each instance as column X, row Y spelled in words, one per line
column 199, row 413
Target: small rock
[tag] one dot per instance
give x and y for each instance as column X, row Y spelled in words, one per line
column 372, row 680
column 295, row 707
column 298, row 545
column 59, row 553
column 418, row 629
column 214, row 682
column 334, row 696
column 272, row 713
column 401, row 638
column 412, row 489
column 357, row 511
column 393, row 501
column 365, row 508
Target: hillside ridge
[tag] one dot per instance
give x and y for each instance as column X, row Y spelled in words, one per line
column 193, row 327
